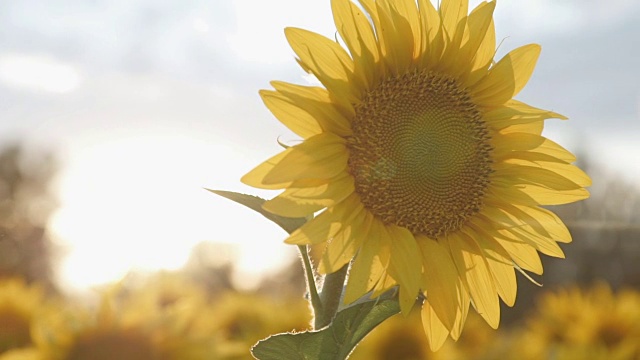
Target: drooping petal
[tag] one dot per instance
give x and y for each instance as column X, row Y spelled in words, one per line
column 499, row 262
column 522, row 254
column 345, row 244
column 434, row 329
column 441, row 279
column 368, row 267
column 406, row 262
column 472, row 266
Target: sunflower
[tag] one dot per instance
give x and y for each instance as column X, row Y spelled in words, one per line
column 19, row 306
column 425, row 168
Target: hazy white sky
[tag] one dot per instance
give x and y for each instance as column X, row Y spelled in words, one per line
column 147, row 102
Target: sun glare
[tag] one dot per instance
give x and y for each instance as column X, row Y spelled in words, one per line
column 38, row 73
column 138, row 203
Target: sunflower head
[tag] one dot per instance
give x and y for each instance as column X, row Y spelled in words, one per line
column 428, row 174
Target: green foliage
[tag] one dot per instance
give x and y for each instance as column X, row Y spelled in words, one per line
column 333, row 342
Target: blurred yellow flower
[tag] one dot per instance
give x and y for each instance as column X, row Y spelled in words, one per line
column 583, row 324
column 19, row 305
column 430, row 173
column 400, row 339
column 118, row 329
column 242, row 319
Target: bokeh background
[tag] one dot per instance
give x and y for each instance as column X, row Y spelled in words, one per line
column 115, row 115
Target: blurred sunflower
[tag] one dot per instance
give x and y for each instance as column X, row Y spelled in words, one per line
column 117, row 330
column 400, row 339
column 19, row 305
column 578, row 324
column 242, row 319
column 430, row 173
column 171, row 295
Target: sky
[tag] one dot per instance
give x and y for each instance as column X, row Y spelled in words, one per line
column 146, row 103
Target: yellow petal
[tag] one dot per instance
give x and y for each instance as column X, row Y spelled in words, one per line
column 395, row 37
column 463, row 311
column 300, row 202
column 406, row 262
column 435, row 331
column 454, row 21
column 441, row 280
column 256, row 176
column 525, row 256
column 433, row 43
column 504, row 143
column 326, row 60
column 326, row 225
column 499, row 261
column 525, row 227
column 453, row 13
column 319, row 104
column 344, row 245
column 368, row 267
column 356, row 31
column 483, row 57
column 385, row 284
column 472, row 265
column 478, row 24
column 525, row 175
column 406, row 19
column 571, row 172
column 514, row 112
column 528, row 157
column 320, row 157
column 507, row 77
column 292, row 116
column 545, row 196
column 550, row 222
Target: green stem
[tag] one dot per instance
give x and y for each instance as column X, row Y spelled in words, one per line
column 316, row 303
column 330, row 297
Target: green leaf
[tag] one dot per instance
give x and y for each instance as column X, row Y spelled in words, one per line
column 334, row 342
column 255, row 203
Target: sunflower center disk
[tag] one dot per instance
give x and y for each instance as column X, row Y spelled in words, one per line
column 420, row 153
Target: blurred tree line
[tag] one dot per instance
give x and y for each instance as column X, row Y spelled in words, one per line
column 26, row 204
